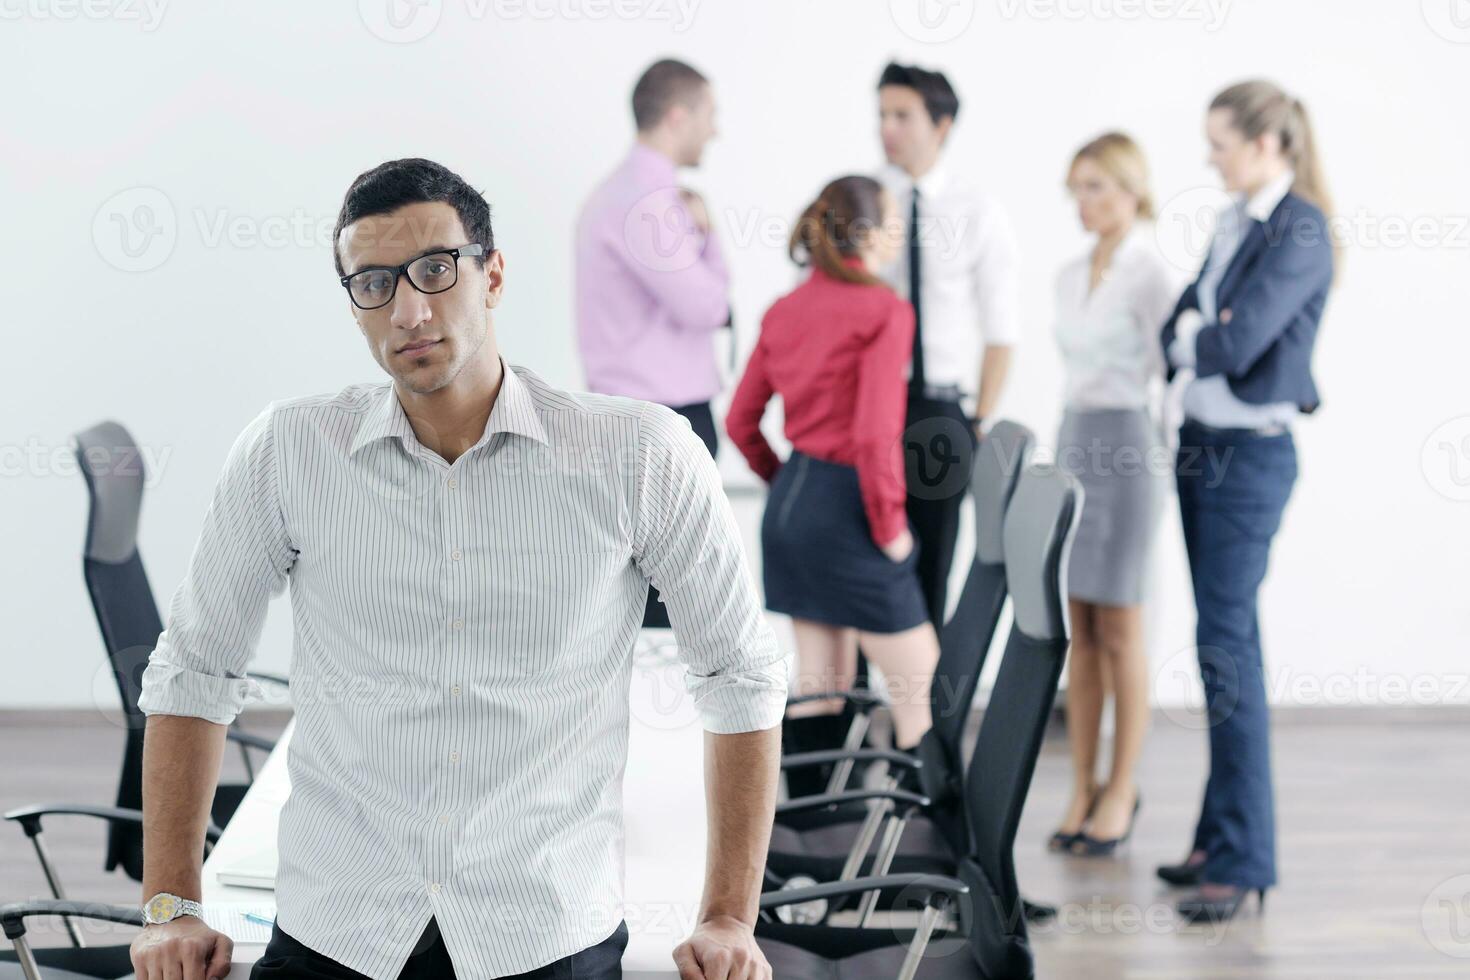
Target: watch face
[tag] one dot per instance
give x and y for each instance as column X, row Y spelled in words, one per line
column 161, row 907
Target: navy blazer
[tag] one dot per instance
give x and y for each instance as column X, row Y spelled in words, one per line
column 1275, row 288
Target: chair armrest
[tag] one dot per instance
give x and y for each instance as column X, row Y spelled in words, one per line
column 29, row 817
column 253, row 741
column 13, row 915
column 860, row 698
column 820, row 758
column 256, row 675
column 851, row 796
column 926, row 886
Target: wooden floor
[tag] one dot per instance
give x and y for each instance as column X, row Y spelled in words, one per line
column 1374, row 824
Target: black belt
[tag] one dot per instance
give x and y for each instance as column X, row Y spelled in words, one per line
column 1274, row 429
column 942, row 393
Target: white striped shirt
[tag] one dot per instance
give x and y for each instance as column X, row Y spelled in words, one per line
column 463, row 650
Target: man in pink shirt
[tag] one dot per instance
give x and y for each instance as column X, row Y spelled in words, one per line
column 652, row 287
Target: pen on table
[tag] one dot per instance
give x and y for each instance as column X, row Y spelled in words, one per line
column 259, row 919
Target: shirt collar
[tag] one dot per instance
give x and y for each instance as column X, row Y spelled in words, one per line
column 1138, row 238
column 514, row 412
column 931, row 185
column 1264, row 201
column 646, row 160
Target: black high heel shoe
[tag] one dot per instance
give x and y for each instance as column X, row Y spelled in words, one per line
column 1086, row 845
column 1200, row 911
column 1063, row 841
column 1184, row 875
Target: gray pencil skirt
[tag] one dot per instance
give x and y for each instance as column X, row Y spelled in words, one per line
column 1116, row 456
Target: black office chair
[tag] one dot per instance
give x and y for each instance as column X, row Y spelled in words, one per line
column 128, row 618
column 27, row 963
column 837, row 849
column 991, row 925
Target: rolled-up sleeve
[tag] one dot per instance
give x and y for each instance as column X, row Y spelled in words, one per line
column 687, row 543
column 241, row 561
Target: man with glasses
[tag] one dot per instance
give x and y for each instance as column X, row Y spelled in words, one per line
column 468, row 550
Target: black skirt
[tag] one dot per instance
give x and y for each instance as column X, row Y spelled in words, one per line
column 819, row 559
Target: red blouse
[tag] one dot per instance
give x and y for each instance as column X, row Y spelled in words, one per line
column 836, row 353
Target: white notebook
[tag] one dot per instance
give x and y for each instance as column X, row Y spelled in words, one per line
column 256, row 871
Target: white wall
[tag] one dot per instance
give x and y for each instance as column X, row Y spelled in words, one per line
column 242, row 128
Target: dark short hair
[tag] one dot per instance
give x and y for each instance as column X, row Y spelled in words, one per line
column 389, row 186
column 663, row 84
column 938, row 95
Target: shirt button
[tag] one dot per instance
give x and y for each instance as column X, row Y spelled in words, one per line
column 457, row 624
column 434, row 887
column 452, row 483
column 456, row 555
column 454, row 756
column 454, row 690
column 443, row 818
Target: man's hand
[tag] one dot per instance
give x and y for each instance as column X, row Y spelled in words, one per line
column 184, row 949
column 721, row 948
column 697, row 211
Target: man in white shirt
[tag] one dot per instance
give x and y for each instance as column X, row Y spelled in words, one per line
column 959, row 269
column 468, row 550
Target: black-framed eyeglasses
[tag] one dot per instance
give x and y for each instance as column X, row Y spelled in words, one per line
column 432, row 272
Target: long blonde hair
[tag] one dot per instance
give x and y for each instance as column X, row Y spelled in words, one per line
column 1121, row 159
column 1260, row 106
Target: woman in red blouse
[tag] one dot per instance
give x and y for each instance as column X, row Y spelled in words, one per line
column 838, row 555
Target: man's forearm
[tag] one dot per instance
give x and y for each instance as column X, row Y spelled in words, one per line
column 740, row 776
column 181, row 762
column 994, row 366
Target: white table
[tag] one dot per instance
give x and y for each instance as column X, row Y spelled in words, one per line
column 663, row 794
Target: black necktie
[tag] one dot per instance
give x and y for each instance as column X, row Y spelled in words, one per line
column 916, row 376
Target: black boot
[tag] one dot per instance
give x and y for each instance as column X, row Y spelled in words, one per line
column 811, row 734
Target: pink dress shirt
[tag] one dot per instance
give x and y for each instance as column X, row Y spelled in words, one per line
column 652, row 289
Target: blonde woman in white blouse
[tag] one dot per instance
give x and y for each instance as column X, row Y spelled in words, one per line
column 1111, row 303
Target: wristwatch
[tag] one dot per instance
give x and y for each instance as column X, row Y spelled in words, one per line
column 165, row 907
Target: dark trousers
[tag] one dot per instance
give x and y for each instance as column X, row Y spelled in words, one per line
column 1233, row 487
column 702, row 420
column 939, row 452
column 285, row 957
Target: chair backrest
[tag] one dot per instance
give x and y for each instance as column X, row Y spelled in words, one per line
column 122, row 599
column 965, row 639
column 1039, row 527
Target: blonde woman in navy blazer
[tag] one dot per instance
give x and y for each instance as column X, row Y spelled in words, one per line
column 1245, row 329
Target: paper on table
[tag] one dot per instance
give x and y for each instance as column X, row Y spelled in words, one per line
column 229, row 918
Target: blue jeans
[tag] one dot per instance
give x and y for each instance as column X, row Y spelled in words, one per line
column 1233, row 487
